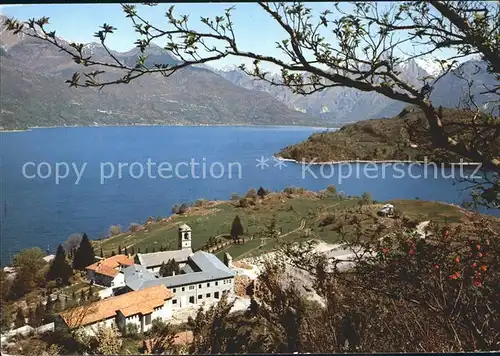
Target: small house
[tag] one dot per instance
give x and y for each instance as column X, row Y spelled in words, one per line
column 108, row 272
column 386, row 211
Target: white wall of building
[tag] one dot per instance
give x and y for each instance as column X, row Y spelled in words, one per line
column 210, row 292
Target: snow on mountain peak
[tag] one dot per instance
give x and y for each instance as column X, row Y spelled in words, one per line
column 430, row 65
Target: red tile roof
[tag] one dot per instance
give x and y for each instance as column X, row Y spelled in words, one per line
column 140, row 302
column 109, row 266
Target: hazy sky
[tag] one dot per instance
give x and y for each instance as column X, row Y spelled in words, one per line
column 255, row 30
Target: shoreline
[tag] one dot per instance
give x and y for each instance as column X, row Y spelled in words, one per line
column 174, row 125
column 372, row 161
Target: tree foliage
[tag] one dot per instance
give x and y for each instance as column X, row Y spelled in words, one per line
column 30, row 272
column 60, row 269
column 236, row 228
column 169, row 268
column 84, row 256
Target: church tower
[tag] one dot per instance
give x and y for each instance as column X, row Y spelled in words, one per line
column 184, row 237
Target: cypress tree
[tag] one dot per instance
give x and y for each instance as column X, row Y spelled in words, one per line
column 73, row 296
column 113, row 253
column 84, row 255
column 39, row 313
column 125, row 252
column 20, row 320
column 31, row 318
column 146, row 250
column 236, row 228
column 82, row 296
column 132, row 251
column 102, row 253
column 60, row 269
column 57, row 304
column 90, row 292
column 49, row 306
column 139, row 250
column 119, row 250
column 154, row 249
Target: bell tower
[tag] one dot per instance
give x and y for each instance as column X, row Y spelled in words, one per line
column 184, row 237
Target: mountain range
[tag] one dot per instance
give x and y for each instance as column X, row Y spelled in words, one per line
column 34, row 92
column 339, row 105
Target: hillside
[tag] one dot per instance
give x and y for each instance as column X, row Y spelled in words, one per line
column 299, row 214
column 378, row 139
column 34, row 93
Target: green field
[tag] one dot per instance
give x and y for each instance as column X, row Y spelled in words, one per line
column 215, row 218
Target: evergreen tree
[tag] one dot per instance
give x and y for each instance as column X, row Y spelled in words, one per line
column 119, row 250
column 146, row 250
column 82, row 296
column 31, row 318
column 261, row 192
column 60, row 269
column 154, row 249
column 49, row 306
column 20, row 319
column 90, row 293
column 113, row 253
column 236, row 228
column 39, row 314
column 57, row 305
column 125, row 252
column 272, row 228
column 84, row 255
column 169, row 268
column 132, row 251
column 139, row 250
column 73, row 296
column 102, row 253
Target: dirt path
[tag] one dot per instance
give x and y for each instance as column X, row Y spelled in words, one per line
column 301, row 227
column 421, row 228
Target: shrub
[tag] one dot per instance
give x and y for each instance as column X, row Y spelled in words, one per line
column 331, row 189
column 327, row 220
column 366, row 198
column 114, row 230
column 244, row 203
column 200, row 203
column 183, row 208
column 131, row 330
column 252, row 194
column 175, row 209
column 134, row 227
column 294, row 190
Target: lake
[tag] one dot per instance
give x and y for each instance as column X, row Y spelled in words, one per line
column 59, row 181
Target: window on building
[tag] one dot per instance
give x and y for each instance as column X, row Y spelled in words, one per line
column 208, row 284
column 191, row 299
column 174, row 290
column 216, row 295
column 183, row 289
column 199, row 285
column 216, row 283
column 174, row 301
column 148, row 319
column 200, row 297
column 208, row 295
column 191, row 287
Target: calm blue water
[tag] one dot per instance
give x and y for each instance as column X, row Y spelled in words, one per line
column 42, row 213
